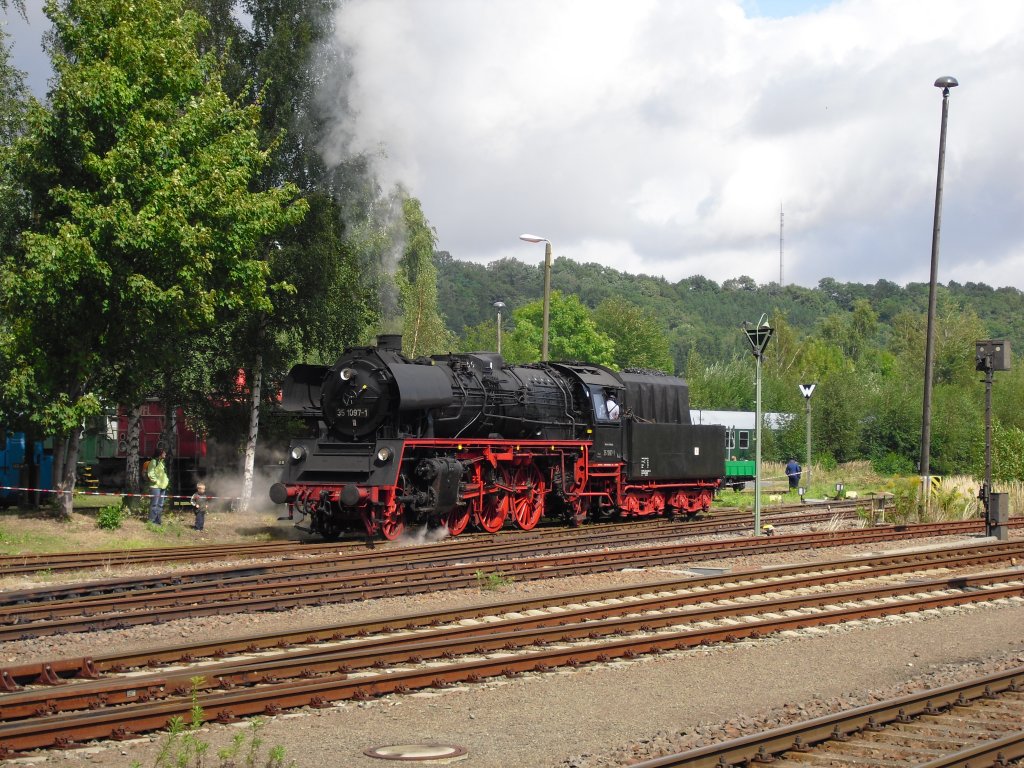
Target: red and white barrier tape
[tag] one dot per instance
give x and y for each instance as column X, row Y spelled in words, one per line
column 76, row 492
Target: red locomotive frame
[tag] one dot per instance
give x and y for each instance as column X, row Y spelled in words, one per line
column 511, row 480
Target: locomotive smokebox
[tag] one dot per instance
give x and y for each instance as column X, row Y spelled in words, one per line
column 392, row 341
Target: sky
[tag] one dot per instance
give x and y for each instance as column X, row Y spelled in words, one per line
column 665, row 137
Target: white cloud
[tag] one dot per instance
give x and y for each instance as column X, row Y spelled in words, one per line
column 663, row 136
column 667, row 133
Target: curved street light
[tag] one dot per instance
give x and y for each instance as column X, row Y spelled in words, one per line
column 547, row 288
column 945, row 83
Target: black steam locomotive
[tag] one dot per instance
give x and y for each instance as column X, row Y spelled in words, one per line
column 461, row 438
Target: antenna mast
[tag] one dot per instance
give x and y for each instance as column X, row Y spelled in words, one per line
column 781, row 252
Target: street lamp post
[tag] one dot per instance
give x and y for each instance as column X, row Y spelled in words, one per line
column 547, row 288
column 499, row 305
column 758, row 336
column 945, row 83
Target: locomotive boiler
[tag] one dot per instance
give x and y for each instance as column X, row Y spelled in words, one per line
column 457, row 439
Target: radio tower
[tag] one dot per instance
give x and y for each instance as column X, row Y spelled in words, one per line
column 781, row 252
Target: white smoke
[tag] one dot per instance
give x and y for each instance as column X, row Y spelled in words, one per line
column 423, row 534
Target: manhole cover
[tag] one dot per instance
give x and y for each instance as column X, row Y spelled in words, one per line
column 416, row 751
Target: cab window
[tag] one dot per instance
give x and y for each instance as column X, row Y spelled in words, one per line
column 599, row 399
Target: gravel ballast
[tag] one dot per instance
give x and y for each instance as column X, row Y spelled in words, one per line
column 598, row 715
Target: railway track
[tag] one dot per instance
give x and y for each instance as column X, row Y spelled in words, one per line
column 835, row 571
column 433, row 650
column 720, row 522
column 971, row 724
column 125, row 602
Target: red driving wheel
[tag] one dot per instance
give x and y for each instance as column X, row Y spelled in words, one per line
column 528, row 504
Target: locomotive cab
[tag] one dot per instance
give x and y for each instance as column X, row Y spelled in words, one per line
column 602, row 392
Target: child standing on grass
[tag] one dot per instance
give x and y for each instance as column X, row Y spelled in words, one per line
column 200, row 503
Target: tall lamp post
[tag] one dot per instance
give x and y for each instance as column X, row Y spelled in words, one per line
column 807, row 390
column 945, row 83
column 547, row 287
column 758, row 336
column 499, row 305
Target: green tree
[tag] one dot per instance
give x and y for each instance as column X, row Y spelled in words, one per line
column 279, row 63
column 869, row 339
column 639, row 338
column 957, row 435
column 14, row 106
column 424, row 330
column 851, row 332
column 483, row 337
column 892, row 421
column 144, row 229
column 572, row 333
column 1007, row 454
column 720, row 386
column 286, row 55
column 840, row 404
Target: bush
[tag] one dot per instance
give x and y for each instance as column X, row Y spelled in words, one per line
column 826, row 461
column 109, row 518
column 956, row 498
column 906, row 500
column 1007, row 454
column 893, row 464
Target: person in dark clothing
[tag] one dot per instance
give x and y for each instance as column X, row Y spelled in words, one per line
column 793, row 471
column 200, row 504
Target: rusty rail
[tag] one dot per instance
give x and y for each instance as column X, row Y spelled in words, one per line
column 272, row 697
column 304, row 587
column 800, row 737
column 834, row 571
column 574, row 625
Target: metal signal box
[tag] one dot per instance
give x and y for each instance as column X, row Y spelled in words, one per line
column 992, row 354
column 998, row 520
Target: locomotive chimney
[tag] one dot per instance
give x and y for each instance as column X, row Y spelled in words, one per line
column 391, row 341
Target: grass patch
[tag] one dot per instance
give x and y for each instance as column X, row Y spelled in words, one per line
column 171, row 524
column 182, row 747
column 19, row 542
column 489, row 582
column 857, row 478
column 87, row 503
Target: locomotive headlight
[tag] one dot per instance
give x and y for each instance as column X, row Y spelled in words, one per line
column 346, row 374
column 298, row 453
column 384, row 455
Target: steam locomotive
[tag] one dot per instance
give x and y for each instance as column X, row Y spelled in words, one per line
column 466, row 438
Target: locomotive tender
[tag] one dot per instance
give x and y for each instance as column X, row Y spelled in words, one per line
column 461, row 438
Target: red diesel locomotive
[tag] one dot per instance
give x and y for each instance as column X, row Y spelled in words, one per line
column 457, row 439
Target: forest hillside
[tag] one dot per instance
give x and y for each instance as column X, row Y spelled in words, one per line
column 862, row 345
